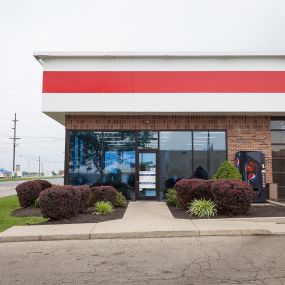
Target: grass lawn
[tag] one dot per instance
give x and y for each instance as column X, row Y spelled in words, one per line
column 28, row 178
column 9, row 204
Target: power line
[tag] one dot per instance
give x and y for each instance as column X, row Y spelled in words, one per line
column 36, row 159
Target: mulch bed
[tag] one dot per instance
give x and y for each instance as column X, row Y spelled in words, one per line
column 118, row 213
column 256, row 211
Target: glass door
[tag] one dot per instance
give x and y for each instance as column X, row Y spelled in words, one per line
column 147, row 175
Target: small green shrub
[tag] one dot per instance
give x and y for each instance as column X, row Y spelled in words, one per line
column 227, row 171
column 103, row 207
column 202, row 208
column 171, row 198
column 120, row 200
column 38, row 203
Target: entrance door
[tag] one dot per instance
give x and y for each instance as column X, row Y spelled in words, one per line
column 146, row 184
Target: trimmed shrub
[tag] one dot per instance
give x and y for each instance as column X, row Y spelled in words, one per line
column 232, row 197
column 202, row 208
column 59, row 202
column 84, row 197
column 28, row 192
column 189, row 189
column 44, row 183
column 227, row 171
column 120, row 187
column 171, row 198
column 103, row 208
column 120, row 200
column 103, row 193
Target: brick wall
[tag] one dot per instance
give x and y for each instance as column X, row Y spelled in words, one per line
column 243, row 132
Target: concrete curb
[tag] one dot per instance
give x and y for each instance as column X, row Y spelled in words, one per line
column 130, row 235
column 276, row 203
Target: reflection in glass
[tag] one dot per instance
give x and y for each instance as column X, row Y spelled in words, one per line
column 85, row 157
column 200, row 155
column 278, row 151
column 278, row 156
column 147, row 140
column 109, row 157
column 209, row 151
column 277, row 125
column 279, row 178
column 217, row 151
column 278, row 137
column 175, row 158
column 119, row 161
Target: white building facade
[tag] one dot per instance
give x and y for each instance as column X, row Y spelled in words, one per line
column 140, row 121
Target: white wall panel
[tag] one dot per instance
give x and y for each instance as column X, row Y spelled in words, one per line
column 164, row 102
column 165, row 64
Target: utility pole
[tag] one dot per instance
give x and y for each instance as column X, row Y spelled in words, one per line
column 39, row 166
column 14, row 138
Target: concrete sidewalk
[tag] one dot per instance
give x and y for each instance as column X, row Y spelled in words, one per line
column 146, row 219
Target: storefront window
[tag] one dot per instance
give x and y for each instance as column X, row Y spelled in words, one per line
column 175, row 157
column 278, row 125
column 85, row 157
column 278, row 156
column 147, row 140
column 119, row 161
column 200, row 155
column 109, row 158
column 217, row 151
column 209, row 151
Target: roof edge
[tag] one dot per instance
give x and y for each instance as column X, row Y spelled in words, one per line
column 44, row 54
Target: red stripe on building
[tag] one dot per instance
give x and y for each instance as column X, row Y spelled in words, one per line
column 164, row 82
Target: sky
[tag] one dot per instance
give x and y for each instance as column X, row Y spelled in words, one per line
column 110, row 25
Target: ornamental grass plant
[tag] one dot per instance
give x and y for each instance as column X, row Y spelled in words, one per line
column 202, row 208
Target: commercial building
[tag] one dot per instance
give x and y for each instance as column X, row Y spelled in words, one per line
column 144, row 120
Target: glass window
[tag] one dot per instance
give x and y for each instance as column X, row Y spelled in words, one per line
column 209, row 151
column 217, row 151
column 200, row 154
column 278, row 156
column 277, row 125
column 281, row 193
column 278, row 151
column 119, row 161
column 147, row 140
column 278, row 165
column 278, row 137
column 175, row 157
column 147, row 174
column 85, row 157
